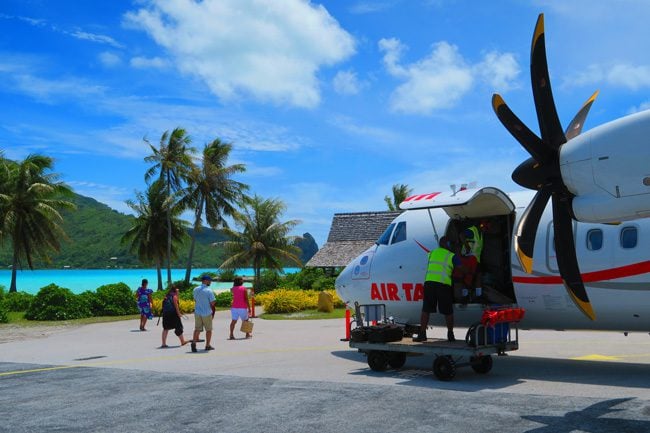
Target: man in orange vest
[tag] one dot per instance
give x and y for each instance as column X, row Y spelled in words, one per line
column 438, row 293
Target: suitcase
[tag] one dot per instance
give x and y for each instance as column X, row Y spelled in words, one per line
column 359, row 334
column 385, row 333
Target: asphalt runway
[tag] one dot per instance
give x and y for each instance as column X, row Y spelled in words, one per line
column 297, row 376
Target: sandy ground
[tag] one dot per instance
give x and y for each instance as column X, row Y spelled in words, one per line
column 9, row 333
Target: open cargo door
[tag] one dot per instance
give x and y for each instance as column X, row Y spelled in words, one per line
column 466, row 203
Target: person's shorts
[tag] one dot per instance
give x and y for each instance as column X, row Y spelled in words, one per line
column 438, row 296
column 172, row 321
column 239, row 313
column 201, row 322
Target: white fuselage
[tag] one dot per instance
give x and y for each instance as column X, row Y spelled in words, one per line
column 615, row 271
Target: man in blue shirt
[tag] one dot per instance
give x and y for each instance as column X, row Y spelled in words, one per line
column 203, row 312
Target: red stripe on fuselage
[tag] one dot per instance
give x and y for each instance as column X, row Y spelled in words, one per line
column 589, row 277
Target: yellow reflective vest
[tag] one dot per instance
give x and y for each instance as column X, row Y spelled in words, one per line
column 440, row 266
column 476, row 244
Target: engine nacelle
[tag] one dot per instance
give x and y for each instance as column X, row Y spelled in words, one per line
column 608, row 170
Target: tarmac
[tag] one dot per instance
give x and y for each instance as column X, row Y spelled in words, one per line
column 298, row 376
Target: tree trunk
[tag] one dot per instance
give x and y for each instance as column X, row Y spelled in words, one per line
column 197, row 220
column 14, row 269
column 169, row 233
column 257, row 271
column 159, row 274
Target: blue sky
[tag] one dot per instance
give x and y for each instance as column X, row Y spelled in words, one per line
column 327, row 103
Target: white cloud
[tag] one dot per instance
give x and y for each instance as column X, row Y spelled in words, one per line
column 435, row 82
column 48, row 91
column 101, row 39
column 109, row 59
column 266, row 49
column 619, row 75
column 149, row 62
column 110, row 195
column 369, row 7
column 499, row 70
column 441, row 79
column 346, row 83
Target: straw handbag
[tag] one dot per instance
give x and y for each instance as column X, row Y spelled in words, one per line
column 246, row 326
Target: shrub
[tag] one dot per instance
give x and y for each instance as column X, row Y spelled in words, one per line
column 309, row 279
column 290, row 301
column 269, row 280
column 114, row 300
column 285, row 301
column 185, row 305
column 224, row 299
column 18, row 301
column 182, row 286
column 3, row 313
column 57, row 303
column 226, row 275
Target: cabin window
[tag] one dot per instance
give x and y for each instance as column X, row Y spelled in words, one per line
column 399, row 234
column 628, row 237
column 385, row 237
column 594, row 239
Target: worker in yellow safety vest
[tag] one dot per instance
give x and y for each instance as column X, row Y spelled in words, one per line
column 438, row 292
column 473, row 239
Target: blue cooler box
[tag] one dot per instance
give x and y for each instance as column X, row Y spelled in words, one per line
column 498, row 333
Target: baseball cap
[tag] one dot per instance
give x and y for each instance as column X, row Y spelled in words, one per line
column 206, row 278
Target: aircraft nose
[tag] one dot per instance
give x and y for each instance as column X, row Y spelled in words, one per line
column 343, row 284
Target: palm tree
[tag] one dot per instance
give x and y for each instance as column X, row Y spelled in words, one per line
column 148, row 234
column 173, row 162
column 212, row 189
column 30, row 200
column 263, row 241
column 400, row 193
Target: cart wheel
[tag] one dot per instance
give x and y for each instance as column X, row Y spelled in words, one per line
column 377, row 360
column 444, row 367
column 397, row 360
column 482, row 364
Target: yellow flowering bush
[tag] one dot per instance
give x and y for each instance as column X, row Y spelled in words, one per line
column 185, row 305
column 290, row 301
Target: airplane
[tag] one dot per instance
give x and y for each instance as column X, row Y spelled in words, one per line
column 591, row 267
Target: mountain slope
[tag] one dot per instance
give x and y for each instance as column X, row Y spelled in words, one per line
column 95, row 230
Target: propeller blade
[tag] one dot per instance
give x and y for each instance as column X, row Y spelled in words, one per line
column 527, row 138
column 566, row 256
column 575, row 127
column 549, row 123
column 527, row 230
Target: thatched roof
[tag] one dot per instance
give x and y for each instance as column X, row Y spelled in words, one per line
column 350, row 235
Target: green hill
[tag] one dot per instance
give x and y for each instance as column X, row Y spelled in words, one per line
column 95, row 230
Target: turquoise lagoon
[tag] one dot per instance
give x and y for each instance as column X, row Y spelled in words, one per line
column 80, row 280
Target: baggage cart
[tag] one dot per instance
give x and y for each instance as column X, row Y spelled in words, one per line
column 448, row 356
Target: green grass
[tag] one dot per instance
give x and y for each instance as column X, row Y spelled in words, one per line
column 18, row 318
column 338, row 313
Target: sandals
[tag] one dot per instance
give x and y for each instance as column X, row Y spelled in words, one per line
column 164, row 346
column 209, row 348
column 231, row 338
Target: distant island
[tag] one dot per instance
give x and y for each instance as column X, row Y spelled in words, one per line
column 94, row 232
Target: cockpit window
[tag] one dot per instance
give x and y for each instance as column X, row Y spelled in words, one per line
column 385, row 237
column 399, row 234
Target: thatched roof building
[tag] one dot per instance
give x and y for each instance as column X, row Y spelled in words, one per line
column 350, row 235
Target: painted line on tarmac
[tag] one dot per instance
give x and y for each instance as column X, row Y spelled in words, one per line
column 163, row 358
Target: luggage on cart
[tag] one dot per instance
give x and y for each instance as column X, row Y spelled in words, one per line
column 480, row 335
column 385, row 333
